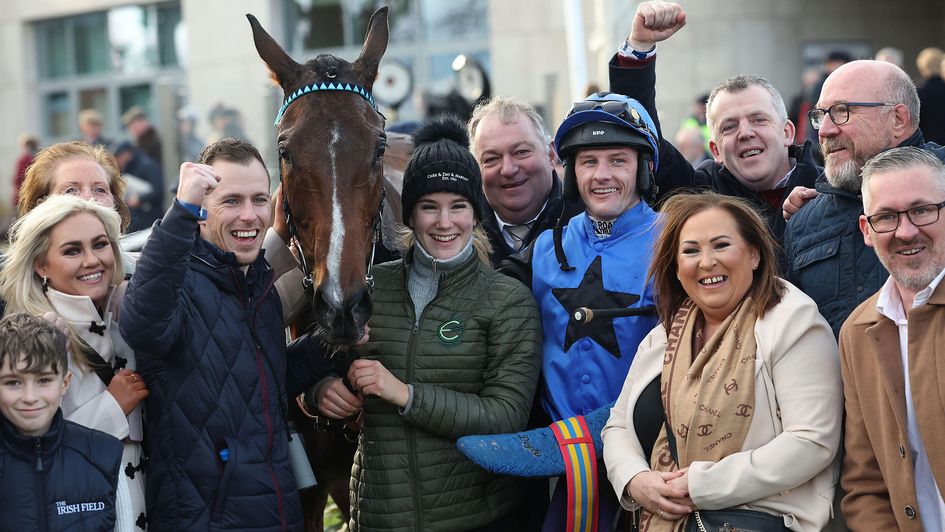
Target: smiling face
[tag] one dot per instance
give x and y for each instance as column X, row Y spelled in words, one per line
column 715, row 265
column 442, row 223
column 80, row 260
column 238, row 210
column 84, row 178
column 516, row 165
column 914, row 256
column 870, row 130
column 30, row 400
column 607, row 181
column 749, row 138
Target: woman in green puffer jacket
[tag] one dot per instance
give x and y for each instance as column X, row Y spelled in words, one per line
column 454, row 349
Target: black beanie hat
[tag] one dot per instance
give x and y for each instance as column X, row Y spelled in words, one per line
column 441, row 162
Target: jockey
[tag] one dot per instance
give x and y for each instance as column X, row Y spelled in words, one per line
column 599, row 259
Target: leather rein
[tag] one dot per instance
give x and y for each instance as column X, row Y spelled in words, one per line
column 308, row 281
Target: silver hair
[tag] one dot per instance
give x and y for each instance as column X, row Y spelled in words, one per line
column 508, row 109
column 901, row 89
column 898, row 159
column 739, row 83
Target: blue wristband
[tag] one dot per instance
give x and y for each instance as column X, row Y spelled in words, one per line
column 196, row 210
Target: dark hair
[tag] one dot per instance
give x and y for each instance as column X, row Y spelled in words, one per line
column 34, row 341
column 765, row 288
column 230, row 149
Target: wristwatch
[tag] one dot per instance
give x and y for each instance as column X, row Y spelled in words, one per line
column 626, row 51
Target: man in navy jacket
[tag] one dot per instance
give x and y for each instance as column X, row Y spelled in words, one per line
column 206, row 323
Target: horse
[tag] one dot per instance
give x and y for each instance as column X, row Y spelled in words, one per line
column 341, row 176
column 332, row 146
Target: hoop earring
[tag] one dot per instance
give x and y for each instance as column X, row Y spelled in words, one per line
column 45, row 284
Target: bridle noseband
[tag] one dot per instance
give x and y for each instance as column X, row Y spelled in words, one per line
column 308, row 282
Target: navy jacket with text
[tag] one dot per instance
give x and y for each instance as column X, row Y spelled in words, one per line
column 64, row 480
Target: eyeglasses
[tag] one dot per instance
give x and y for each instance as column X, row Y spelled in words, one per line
column 839, row 112
column 887, row 222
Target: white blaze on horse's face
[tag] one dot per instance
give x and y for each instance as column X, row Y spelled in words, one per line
column 238, row 210
column 331, row 147
column 336, row 241
column 443, row 223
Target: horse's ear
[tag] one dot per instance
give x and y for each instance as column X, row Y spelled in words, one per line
column 375, row 44
column 282, row 68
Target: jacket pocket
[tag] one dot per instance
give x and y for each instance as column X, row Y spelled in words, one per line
column 815, row 274
column 232, row 462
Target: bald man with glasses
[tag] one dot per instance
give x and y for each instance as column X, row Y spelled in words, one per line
column 865, row 107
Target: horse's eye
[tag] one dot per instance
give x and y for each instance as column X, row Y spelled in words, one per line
column 381, row 149
column 284, row 155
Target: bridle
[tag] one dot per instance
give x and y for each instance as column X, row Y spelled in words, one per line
column 308, row 282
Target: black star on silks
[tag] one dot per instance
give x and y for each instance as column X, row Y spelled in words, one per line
column 590, row 293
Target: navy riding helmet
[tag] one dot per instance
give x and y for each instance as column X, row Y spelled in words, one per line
column 605, row 120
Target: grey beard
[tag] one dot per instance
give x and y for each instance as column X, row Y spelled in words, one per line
column 846, row 177
column 918, row 280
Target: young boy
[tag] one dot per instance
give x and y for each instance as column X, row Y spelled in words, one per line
column 54, row 474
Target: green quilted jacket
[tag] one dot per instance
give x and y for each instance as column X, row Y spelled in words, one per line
column 473, row 359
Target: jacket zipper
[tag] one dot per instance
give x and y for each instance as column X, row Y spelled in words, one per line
column 264, row 383
column 411, row 437
column 40, row 486
column 408, row 376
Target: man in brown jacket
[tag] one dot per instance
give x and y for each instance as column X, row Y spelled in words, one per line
column 890, row 348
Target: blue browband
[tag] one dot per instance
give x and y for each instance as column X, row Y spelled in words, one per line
column 349, row 87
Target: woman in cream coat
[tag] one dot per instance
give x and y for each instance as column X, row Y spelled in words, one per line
column 786, row 464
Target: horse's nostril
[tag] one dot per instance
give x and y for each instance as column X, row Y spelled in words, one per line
column 324, row 309
column 361, row 306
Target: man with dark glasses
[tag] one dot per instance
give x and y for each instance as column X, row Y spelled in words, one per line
column 865, row 107
column 751, row 138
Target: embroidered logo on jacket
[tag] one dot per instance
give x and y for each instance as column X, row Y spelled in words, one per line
column 451, row 332
column 62, row 508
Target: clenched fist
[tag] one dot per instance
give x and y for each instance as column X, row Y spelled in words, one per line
column 196, row 182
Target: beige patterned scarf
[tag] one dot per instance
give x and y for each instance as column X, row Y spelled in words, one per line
column 708, row 396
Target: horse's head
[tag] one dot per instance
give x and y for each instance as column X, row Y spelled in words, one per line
column 331, row 151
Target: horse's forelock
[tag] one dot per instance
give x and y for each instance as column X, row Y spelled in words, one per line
column 329, row 68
